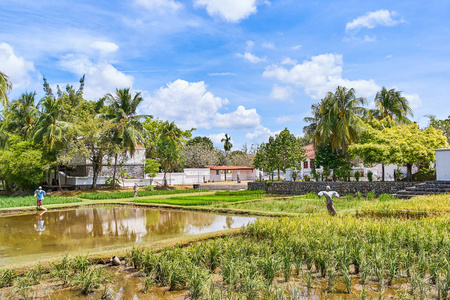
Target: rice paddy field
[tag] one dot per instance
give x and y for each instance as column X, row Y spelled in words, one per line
column 13, row 201
column 374, row 248
column 130, row 194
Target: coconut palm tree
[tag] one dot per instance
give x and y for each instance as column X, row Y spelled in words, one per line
column 22, row 115
column 227, row 143
column 129, row 132
column 341, row 119
column 391, row 105
column 5, row 87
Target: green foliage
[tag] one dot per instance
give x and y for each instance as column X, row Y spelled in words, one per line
column 7, row 278
column 122, row 195
column 281, row 152
column 370, row 176
column 151, row 167
column 200, row 200
column 240, row 193
column 204, row 140
column 357, row 174
column 425, row 174
column 227, row 145
column 443, row 125
column 23, row 164
column 386, row 197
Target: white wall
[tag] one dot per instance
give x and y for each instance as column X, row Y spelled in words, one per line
column 443, row 164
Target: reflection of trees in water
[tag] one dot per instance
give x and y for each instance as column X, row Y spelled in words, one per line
column 229, row 220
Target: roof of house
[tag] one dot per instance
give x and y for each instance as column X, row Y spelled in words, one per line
column 310, row 151
column 230, row 168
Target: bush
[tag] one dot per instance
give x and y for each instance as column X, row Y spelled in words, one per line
column 425, row 175
column 357, row 174
column 386, row 197
column 370, row 176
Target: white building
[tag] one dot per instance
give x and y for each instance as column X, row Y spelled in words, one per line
column 442, row 164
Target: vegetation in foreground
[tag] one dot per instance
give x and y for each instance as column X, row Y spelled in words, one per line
column 130, row 194
column 14, row 201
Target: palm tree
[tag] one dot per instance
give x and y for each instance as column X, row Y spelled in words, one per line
column 227, row 144
column 22, row 115
column 129, row 132
column 341, row 119
column 169, row 145
column 49, row 129
column 391, row 105
column 5, row 87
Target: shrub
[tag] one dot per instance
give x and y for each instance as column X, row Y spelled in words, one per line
column 370, row 195
column 386, row 197
column 357, row 174
column 370, row 176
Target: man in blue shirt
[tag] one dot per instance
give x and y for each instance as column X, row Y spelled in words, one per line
column 40, row 193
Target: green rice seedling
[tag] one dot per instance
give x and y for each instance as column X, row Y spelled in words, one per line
column 442, row 289
column 34, row 275
column 7, row 278
column 278, row 294
column 136, row 256
column 422, row 265
column 62, row 269
column 363, row 294
column 148, row 281
column 89, row 280
column 386, row 197
column 80, row 263
column 358, row 195
column 23, row 287
column 332, row 275
column 251, row 285
column 349, row 197
column 269, row 266
column 308, row 282
column 370, row 195
column 295, row 293
column 19, row 201
column 347, row 279
column 130, row 194
column 230, row 272
column 213, row 253
column 310, row 196
column 392, row 268
column 287, row 264
column 196, row 282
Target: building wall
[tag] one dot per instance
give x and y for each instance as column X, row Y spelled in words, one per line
column 443, row 164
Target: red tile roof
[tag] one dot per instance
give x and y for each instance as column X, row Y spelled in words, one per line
column 230, row 168
column 310, row 151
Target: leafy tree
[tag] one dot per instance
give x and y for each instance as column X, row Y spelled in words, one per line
column 329, row 160
column 227, row 145
column 282, row 152
column 238, row 158
column 200, row 155
column 201, row 140
column 23, row 164
column 443, row 125
column 151, row 168
column 402, row 145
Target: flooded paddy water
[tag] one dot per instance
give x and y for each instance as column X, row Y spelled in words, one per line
column 32, row 237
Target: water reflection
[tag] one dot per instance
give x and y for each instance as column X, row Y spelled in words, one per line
column 100, row 228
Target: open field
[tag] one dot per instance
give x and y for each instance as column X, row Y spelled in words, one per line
column 369, row 250
column 130, row 194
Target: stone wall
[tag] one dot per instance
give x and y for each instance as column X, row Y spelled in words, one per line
column 343, row 188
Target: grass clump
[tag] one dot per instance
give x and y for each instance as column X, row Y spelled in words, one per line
column 20, row 201
column 241, row 193
column 124, row 195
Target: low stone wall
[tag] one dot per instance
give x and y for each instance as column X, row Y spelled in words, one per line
column 343, row 188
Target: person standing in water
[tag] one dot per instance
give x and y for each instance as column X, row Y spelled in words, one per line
column 40, row 193
column 329, row 197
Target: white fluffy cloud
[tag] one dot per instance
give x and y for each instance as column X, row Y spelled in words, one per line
column 104, row 47
column 260, row 134
column 21, row 72
column 187, row 103
column 251, row 57
column 101, row 77
column 240, row 119
column 281, row 92
column 414, row 100
column 319, row 75
column 283, row 119
column 370, row 20
column 159, row 4
column 230, row 10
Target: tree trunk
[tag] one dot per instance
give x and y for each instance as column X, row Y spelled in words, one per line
column 279, row 175
column 382, row 172
column 57, row 178
column 114, row 172
column 165, row 179
column 96, row 168
column 409, row 172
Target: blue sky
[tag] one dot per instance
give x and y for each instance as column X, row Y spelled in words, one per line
column 244, row 67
